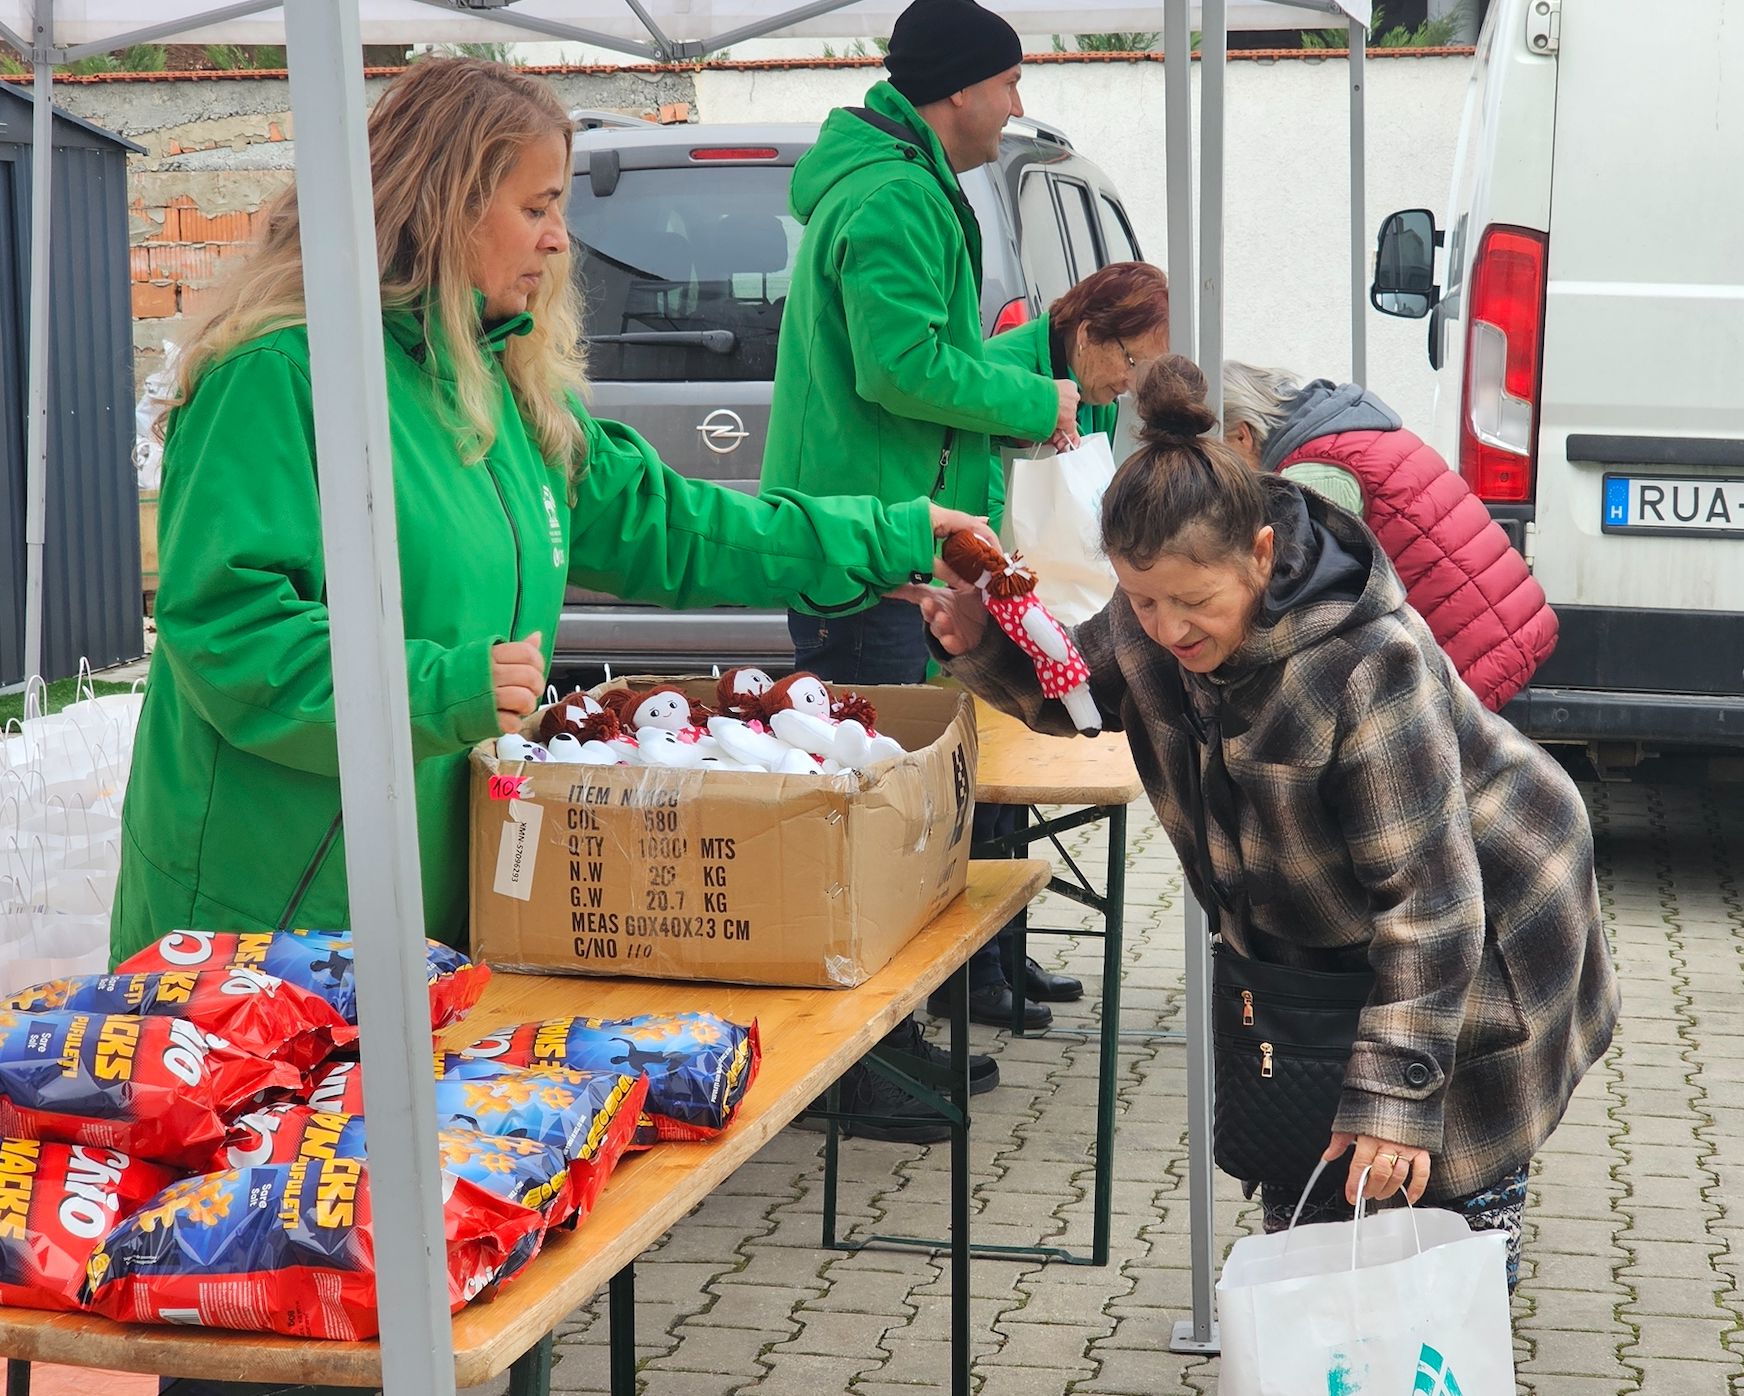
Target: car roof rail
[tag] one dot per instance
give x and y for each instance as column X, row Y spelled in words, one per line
column 1041, row 130
column 589, row 119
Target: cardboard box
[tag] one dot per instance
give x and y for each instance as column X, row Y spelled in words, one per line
column 746, row 877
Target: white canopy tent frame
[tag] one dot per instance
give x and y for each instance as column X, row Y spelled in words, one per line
column 324, row 38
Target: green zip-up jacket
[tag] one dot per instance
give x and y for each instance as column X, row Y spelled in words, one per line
column 1027, row 347
column 234, row 794
column 881, row 339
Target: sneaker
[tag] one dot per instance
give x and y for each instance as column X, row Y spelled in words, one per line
column 892, row 1114
column 907, row 1040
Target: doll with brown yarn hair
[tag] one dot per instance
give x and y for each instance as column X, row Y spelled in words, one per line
column 808, row 693
column 1007, row 589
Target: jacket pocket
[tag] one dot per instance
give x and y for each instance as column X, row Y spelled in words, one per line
column 1494, row 1019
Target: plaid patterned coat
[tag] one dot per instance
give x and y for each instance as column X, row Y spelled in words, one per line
column 1383, row 818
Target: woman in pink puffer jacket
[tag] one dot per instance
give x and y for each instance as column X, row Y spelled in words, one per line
column 1460, row 573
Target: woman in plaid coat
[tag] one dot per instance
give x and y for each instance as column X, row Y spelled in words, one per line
column 1367, row 812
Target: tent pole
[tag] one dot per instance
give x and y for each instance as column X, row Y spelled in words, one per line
column 36, row 412
column 1213, row 70
column 1178, row 164
column 1199, row 1333
column 1359, row 346
column 355, row 466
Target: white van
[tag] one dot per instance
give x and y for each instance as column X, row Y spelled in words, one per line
column 1587, row 330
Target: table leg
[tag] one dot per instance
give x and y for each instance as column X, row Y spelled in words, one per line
column 960, row 1249
column 623, row 1321
column 832, row 1151
column 17, row 1377
column 1108, row 1067
column 531, row 1373
column 1019, row 946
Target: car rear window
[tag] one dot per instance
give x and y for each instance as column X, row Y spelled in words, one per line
column 675, row 257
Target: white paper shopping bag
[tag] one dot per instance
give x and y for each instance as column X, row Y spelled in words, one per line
column 1409, row 1302
column 1053, row 516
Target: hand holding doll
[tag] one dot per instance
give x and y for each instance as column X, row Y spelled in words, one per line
column 1007, row 588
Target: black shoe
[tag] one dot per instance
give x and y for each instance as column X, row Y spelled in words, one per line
column 910, row 1042
column 900, row 1119
column 1038, row 983
column 992, row 1005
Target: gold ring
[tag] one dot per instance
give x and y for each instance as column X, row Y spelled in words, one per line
column 1393, row 1157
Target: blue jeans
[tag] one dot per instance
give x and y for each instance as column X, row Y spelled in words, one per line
column 887, row 644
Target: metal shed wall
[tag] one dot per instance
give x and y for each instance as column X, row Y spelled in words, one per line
column 91, row 586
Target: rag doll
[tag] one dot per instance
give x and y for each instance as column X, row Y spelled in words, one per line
column 1007, row 587
column 737, row 692
column 660, row 722
column 567, row 715
column 803, row 712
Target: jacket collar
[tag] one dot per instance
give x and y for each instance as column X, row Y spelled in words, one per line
column 417, row 330
column 887, row 101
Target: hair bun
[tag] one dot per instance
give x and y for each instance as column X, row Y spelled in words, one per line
column 1171, row 402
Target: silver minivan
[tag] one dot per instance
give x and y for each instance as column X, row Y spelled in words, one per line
column 684, row 247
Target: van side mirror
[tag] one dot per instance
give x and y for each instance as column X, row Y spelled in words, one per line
column 1404, row 283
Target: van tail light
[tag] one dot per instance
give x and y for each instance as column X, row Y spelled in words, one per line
column 1498, row 437
column 1011, row 315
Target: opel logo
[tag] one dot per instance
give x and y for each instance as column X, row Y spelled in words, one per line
column 722, row 431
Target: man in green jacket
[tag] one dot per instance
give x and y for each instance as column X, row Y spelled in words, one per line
column 881, row 386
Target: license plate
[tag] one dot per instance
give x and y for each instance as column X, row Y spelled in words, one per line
column 1670, row 504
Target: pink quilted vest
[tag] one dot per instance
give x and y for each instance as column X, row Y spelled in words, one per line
column 1460, row 573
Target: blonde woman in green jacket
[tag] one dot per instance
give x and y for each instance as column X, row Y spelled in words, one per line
column 505, row 491
column 1099, row 334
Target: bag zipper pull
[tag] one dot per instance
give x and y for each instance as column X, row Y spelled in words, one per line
column 1247, row 1008
column 1266, row 1060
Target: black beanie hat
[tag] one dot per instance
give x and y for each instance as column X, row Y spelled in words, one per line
column 938, row 47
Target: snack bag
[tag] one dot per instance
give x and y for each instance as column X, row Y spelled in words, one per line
column 699, row 1066
column 588, row 1115
column 253, row 1012
column 523, row 1170
column 57, row 1202
column 316, row 960
column 285, row 1248
column 155, row 1088
column 610, row 1136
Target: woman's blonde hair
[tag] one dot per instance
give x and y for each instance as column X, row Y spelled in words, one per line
column 441, row 139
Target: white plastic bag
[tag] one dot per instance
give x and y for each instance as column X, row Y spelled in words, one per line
column 1053, row 516
column 1407, row 1300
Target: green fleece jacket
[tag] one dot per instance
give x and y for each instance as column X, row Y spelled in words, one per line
column 1027, row 346
column 880, row 354
column 233, row 802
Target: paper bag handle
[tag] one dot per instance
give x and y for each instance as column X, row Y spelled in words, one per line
column 1361, row 1209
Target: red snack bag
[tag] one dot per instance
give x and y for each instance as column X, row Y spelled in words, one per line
column 57, row 1202
column 155, row 1088
column 254, row 1012
column 319, row 961
column 286, row 1248
column 591, row 1116
column 535, row 1175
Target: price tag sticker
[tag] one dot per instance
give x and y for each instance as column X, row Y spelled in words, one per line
column 508, row 787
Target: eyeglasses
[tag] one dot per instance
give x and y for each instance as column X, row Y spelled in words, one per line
column 1130, row 361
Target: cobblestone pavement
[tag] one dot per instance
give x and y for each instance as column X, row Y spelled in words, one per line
column 1636, row 1230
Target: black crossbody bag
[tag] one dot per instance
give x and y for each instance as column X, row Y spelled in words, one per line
column 1281, row 1037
